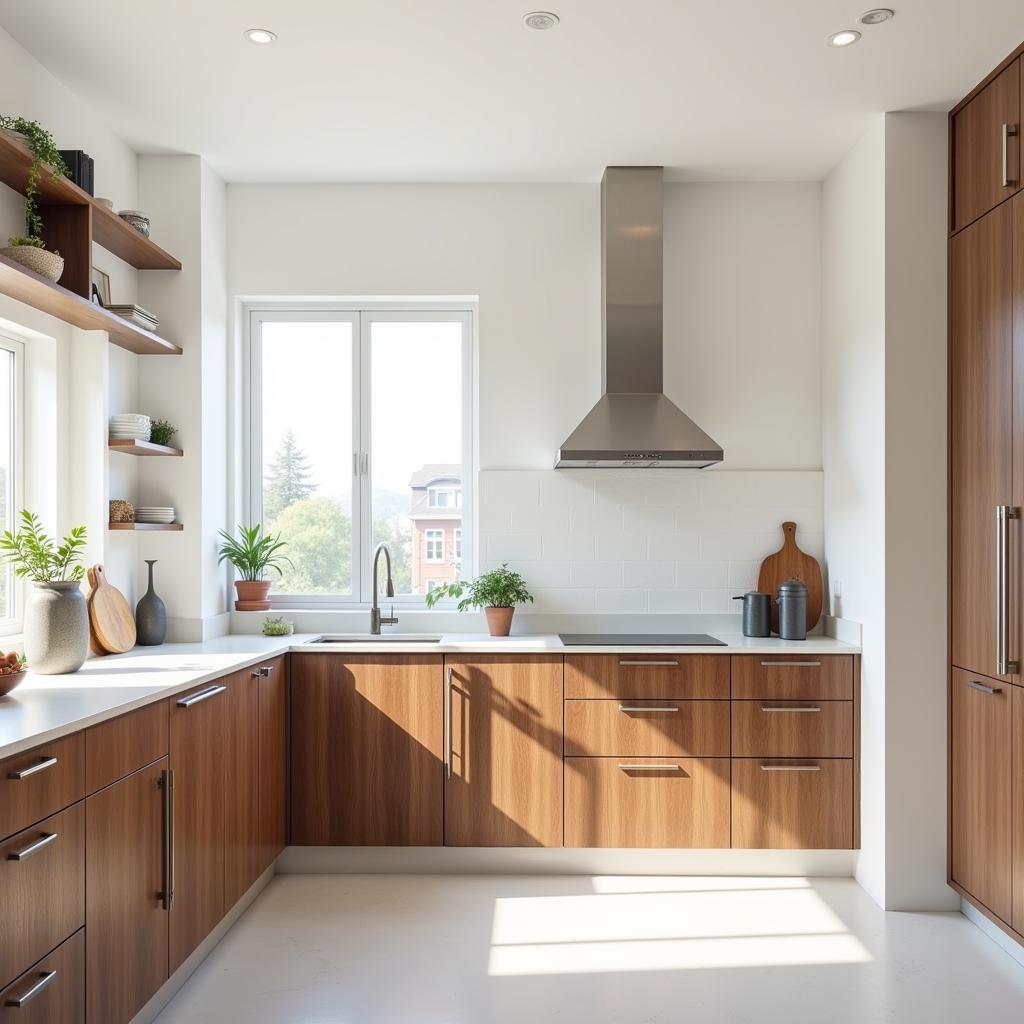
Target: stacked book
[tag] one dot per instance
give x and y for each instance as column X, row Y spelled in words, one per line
column 81, row 168
column 135, row 315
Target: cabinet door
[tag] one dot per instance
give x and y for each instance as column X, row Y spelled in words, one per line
column 504, row 747
column 199, row 724
column 127, row 923
column 986, row 148
column 242, row 765
column 273, row 768
column 52, row 991
column 366, row 750
column 981, row 404
column 1017, row 786
column 981, row 736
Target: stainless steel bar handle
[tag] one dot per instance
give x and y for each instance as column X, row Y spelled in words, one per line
column 790, row 664
column 983, row 688
column 198, row 698
column 671, row 664
column 33, row 990
column 40, row 766
column 651, row 767
column 167, row 785
column 646, row 708
column 43, row 841
column 447, row 724
column 789, row 710
column 1008, row 131
column 1004, row 513
column 791, row 767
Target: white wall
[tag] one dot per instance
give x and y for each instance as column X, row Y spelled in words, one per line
column 884, row 457
column 742, row 296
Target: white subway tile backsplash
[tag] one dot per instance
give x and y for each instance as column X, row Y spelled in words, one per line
column 633, row 542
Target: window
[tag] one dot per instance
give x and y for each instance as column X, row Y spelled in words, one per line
column 359, row 433
column 434, row 545
column 10, row 470
column 457, row 546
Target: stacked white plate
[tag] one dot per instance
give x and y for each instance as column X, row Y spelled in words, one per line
column 154, row 514
column 130, row 426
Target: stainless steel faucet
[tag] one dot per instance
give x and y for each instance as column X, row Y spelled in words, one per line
column 376, row 619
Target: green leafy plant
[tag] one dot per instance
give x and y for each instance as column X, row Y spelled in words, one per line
column 44, row 151
column 162, row 432
column 36, row 557
column 254, row 552
column 278, row 625
column 499, row 588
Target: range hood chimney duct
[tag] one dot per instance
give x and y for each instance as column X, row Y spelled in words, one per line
column 634, row 424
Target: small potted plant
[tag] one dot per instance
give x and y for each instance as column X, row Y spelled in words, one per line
column 30, row 251
column 56, row 616
column 278, row 625
column 497, row 592
column 252, row 554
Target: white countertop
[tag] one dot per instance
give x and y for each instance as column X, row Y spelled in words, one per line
column 45, row 708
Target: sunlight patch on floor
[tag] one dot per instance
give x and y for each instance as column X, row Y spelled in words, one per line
column 658, row 924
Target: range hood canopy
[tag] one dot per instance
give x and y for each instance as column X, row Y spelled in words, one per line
column 634, row 423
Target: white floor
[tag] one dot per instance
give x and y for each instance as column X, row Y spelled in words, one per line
column 399, row 949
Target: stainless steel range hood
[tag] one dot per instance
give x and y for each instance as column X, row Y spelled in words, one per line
column 633, row 423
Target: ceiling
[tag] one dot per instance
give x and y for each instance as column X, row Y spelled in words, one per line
column 461, row 90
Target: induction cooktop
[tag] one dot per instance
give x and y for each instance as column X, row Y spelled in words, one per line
column 640, row 640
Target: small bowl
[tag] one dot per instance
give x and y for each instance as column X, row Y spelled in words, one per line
column 137, row 219
column 8, row 683
column 107, row 203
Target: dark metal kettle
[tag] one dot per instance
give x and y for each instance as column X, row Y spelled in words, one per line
column 757, row 613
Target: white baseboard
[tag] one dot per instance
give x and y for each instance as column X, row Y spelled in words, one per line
column 434, row 860
column 170, row 987
column 994, row 932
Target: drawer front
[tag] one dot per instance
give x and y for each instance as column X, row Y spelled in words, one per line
column 650, row 676
column 51, row 991
column 792, row 677
column 123, row 745
column 42, row 892
column 792, row 728
column 639, row 728
column 646, row 802
column 792, row 804
column 40, row 782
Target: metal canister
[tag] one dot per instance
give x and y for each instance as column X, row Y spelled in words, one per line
column 757, row 613
column 792, row 598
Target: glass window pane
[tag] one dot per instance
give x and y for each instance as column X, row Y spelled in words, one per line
column 307, row 451
column 417, row 444
column 7, row 414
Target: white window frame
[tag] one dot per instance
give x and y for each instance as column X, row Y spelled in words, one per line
column 452, row 489
column 362, row 315
column 433, row 536
column 457, row 545
column 16, row 409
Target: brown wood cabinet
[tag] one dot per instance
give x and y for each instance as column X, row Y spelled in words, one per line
column 119, row 747
column 673, row 728
column 792, row 677
column 985, row 139
column 273, row 761
column 646, row 802
column 242, row 846
column 200, row 731
column 504, row 751
column 366, row 762
column 981, row 808
column 52, row 991
column 126, row 872
column 1017, row 796
column 41, row 781
column 792, row 728
column 42, row 889
column 647, row 676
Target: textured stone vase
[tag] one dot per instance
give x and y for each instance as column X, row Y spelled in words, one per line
column 56, row 628
column 150, row 615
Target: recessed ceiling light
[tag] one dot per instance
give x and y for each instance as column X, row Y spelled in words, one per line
column 540, row 20
column 844, row 38
column 876, row 16
column 260, row 36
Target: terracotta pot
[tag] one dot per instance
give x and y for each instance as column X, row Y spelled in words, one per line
column 499, row 620
column 253, row 595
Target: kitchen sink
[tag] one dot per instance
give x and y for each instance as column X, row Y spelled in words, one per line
column 369, row 638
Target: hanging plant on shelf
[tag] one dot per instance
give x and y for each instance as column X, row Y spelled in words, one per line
column 29, row 249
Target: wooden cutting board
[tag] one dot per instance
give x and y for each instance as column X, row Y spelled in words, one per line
column 109, row 615
column 94, row 644
column 790, row 563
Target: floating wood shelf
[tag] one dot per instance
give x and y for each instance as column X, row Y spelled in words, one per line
column 34, row 290
column 146, row 526
column 107, row 229
column 139, row 447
